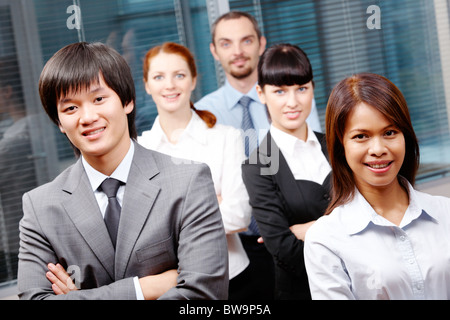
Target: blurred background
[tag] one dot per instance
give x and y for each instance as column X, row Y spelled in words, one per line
column 406, row 41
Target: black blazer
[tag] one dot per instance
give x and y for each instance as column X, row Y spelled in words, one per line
column 279, row 201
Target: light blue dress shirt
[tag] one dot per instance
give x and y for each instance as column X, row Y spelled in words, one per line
column 354, row 253
column 224, row 104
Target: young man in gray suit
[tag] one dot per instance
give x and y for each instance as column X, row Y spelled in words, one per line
column 169, row 242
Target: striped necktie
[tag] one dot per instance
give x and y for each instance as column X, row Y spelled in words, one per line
column 250, row 137
column 250, row 142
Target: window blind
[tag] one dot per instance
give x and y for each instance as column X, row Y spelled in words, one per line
column 339, row 38
column 32, row 31
column 11, row 111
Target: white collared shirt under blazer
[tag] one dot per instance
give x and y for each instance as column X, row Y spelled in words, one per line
column 221, row 148
column 354, row 253
column 304, row 158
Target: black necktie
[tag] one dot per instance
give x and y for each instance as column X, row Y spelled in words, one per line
column 112, row 214
column 250, row 138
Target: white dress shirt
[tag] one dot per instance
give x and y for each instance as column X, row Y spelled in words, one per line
column 121, row 174
column 304, row 158
column 354, row 253
column 221, row 148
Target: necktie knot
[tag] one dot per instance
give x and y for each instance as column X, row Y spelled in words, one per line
column 110, row 186
column 245, row 101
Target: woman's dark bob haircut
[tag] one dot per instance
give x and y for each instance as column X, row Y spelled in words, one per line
column 78, row 66
column 284, row 65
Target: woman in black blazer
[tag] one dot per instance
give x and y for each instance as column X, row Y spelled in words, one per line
column 288, row 175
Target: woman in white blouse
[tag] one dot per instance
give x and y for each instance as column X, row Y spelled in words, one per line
column 380, row 239
column 191, row 135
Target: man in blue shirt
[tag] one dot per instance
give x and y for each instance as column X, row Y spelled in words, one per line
column 237, row 43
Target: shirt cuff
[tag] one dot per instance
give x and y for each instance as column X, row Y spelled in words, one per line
column 138, row 289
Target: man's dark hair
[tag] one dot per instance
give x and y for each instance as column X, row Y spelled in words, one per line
column 79, row 65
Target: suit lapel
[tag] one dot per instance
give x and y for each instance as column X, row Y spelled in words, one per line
column 284, row 177
column 83, row 210
column 140, row 195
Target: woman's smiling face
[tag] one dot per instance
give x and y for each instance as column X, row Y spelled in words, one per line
column 170, row 82
column 288, row 106
column 374, row 148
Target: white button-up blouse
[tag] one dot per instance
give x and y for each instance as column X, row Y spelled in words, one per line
column 354, row 253
column 221, row 148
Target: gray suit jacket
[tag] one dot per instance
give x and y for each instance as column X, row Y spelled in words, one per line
column 170, row 219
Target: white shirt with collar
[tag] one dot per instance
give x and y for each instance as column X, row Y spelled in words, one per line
column 305, row 158
column 221, row 148
column 120, row 173
column 354, row 253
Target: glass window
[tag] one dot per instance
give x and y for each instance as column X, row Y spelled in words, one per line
column 398, row 39
column 30, row 33
column 12, row 115
column 26, row 156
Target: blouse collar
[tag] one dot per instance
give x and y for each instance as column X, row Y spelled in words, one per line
column 359, row 213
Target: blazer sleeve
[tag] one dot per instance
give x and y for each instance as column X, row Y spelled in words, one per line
column 34, row 255
column 269, row 212
column 202, row 245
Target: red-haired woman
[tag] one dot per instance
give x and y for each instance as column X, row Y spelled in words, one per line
column 191, row 135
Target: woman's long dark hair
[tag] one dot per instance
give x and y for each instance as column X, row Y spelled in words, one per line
column 380, row 93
